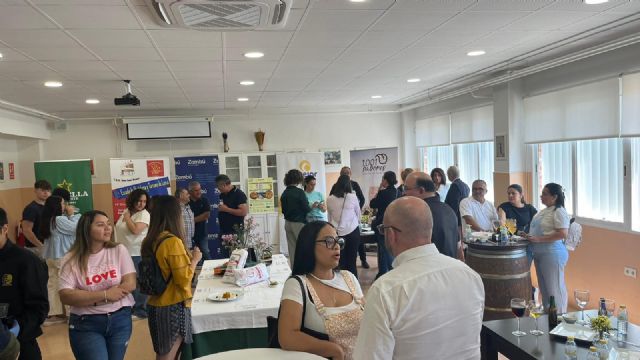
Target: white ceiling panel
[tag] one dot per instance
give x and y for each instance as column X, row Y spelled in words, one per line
column 334, row 20
column 257, row 39
column 135, row 54
column 330, row 53
column 106, row 38
column 92, row 16
column 23, row 17
column 36, row 38
column 331, row 39
column 549, row 20
column 186, row 38
column 51, row 54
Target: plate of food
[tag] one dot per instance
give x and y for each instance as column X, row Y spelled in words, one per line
column 224, row 296
column 579, row 332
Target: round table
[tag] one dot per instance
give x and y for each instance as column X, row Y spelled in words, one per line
column 262, row 354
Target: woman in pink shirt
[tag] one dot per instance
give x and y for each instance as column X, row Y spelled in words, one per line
column 96, row 280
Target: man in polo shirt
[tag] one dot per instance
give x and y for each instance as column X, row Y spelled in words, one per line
column 31, row 216
column 476, row 210
column 233, row 207
column 445, row 234
column 201, row 211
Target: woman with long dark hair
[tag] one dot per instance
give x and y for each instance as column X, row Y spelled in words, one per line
column 58, row 231
column 130, row 230
column 548, row 230
column 440, row 179
column 170, row 312
column 386, row 194
column 96, row 280
column 344, row 215
column 516, row 208
column 333, row 299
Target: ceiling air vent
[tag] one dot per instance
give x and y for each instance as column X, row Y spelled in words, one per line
column 221, row 15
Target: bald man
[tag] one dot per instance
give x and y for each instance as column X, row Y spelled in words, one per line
column 429, row 305
column 445, row 223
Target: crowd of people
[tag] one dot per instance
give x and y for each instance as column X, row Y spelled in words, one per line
column 418, row 228
column 82, row 269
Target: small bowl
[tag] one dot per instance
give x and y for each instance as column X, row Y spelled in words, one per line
column 569, row 319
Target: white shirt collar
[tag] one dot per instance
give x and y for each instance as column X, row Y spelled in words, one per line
column 414, row 253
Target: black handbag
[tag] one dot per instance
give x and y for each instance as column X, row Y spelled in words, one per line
column 272, row 322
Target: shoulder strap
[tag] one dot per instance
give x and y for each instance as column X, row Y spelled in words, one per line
column 304, row 299
column 168, row 236
column 341, row 212
column 316, row 299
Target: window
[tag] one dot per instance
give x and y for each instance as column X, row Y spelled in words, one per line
column 555, row 165
column 475, row 161
column 599, row 177
column 437, row 156
column 635, row 184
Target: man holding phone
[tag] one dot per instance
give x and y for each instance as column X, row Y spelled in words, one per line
column 316, row 200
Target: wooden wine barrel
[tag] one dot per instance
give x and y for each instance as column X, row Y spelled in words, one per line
column 505, row 273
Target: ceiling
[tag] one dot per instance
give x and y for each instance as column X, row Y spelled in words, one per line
column 331, row 53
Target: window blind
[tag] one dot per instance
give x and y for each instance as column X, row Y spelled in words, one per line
column 630, row 119
column 583, row 112
column 433, row 131
column 474, row 125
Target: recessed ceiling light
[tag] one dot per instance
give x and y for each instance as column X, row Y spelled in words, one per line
column 376, row 96
column 595, row 2
column 476, row 53
column 0, row 55
column 92, row 101
column 247, row 82
column 253, row 55
column 414, row 80
column 53, row 84
column 243, row 99
column 357, row 0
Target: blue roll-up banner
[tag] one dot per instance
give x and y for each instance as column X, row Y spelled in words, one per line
column 204, row 170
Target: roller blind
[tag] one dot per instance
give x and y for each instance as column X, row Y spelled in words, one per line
column 582, row 112
column 630, row 125
column 470, row 126
column 433, row 131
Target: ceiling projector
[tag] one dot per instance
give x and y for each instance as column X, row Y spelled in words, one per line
column 128, row 98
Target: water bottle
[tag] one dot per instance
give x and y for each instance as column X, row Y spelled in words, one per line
column 623, row 319
column 570, row 349
column 593, row 354
column 467, row 233
column 504, row 238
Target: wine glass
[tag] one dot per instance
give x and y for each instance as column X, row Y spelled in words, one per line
column 512, row 226
column 518, row 307
column 535, row 311
column 582, row 299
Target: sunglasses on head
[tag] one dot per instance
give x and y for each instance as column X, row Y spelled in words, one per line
column 330, row 242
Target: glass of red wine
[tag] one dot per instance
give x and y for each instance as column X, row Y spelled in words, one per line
column 518, row 307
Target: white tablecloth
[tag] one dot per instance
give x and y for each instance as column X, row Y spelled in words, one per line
column 262, row 354
column 249, row 311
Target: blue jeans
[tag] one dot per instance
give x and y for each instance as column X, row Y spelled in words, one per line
column 550, row 260
column 140, row 307
column 203, row 245
column 384, row 257
column 100, row 337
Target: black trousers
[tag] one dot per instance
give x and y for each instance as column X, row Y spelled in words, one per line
column 29, row 350
column 349, row 253
column 361, row 252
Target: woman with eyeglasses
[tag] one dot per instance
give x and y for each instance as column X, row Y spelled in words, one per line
column 321, row 308
column 344, row 215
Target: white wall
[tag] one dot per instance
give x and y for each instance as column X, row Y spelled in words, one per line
column 22, row 152
column 100, row 140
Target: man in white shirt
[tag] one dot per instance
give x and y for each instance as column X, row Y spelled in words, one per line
column 476, row 211
column 429, row 306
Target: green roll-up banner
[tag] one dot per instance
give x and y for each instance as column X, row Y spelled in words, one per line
column 73, row 175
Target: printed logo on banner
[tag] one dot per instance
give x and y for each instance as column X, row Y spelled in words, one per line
column 155, row 168
column 375, row 164
column 305, row 168
column 75, row 195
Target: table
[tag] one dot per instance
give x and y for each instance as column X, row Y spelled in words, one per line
column 262, row 354
column 496, row 337
column 239, row 324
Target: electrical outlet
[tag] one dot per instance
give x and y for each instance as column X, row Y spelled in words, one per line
column 630, row 272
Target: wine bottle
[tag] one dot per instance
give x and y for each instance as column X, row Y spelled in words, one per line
column 602, row 309
column 553, row 313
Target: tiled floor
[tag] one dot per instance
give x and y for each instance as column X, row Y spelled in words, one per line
column 55, row 341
